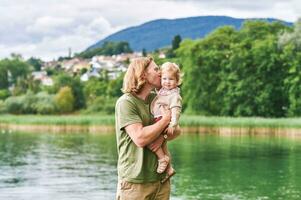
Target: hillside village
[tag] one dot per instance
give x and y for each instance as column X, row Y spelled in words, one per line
column 113, row 65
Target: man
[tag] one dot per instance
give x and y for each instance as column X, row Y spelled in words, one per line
column 137, row 177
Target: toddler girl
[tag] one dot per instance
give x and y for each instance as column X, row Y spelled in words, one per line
column 168, row 96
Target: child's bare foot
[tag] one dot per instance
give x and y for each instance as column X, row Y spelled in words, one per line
column 162, row 164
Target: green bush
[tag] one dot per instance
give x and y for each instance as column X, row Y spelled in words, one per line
column 28, row 101
column 2, row 107
column 14, row 104
column 45, row 104
column 21, row 104
column 102, row 105
column 41, row 103
column 109, row 107
column 4, row 94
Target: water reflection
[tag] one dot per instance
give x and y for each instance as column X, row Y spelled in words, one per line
column 212, row 167
column 57, row 166
column 83, row 166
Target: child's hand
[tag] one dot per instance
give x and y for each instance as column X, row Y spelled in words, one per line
column 170, row 130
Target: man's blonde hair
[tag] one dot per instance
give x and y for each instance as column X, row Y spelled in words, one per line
column 174, row 69
column 133, row 79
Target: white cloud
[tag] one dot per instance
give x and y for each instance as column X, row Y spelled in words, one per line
column 48, row 24
column 47, row 29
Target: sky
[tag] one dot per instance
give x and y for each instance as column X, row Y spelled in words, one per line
column 46, row 29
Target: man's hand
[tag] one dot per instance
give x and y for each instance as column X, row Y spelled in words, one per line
column 166, row 113
column 154, row 146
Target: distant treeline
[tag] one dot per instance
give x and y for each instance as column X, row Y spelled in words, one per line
column 254, row 71
column 108, row 48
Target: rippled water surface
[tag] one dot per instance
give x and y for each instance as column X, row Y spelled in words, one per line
column 83, row 166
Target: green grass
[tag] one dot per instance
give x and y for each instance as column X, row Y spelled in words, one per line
column 58, row 119
column 186, row 121
column 240, row 122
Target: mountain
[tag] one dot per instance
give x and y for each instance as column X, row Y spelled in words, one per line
column 159, row 33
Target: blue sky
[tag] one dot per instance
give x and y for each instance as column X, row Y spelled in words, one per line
column 47, row 28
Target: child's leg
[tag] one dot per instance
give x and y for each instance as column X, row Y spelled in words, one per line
column 160, row 153
column 165, row 149
column 163, row 160
column 170, row 170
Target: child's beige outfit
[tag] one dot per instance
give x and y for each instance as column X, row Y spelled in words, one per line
column 171, row 99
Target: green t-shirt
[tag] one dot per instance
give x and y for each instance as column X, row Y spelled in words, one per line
column 135, row 164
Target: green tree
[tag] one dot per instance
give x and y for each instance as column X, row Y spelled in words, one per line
column 114, row 86
column 175, row 44
column 93, row 88
column 4, row 74
column 25, row 84
column 65, row 100
column 36, row 63
column 203, row 62
column 11, row 70
column 292, row 60
column 16, row 56
column 236, row 73
column 74, row 83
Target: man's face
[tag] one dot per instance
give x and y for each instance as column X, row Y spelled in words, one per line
column 153, row 75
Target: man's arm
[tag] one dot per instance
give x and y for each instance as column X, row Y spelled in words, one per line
column 143, row 136
column 154, row 146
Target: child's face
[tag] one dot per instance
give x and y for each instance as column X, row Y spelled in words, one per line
column 168, row 80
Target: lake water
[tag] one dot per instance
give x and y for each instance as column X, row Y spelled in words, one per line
column 83, row 166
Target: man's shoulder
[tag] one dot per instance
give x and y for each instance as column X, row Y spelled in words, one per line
column 126, row 98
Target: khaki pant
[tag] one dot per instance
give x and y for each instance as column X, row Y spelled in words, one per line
column 143, row 191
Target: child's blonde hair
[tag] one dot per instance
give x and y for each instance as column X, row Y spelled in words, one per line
column 174, row 69
column 133, row 79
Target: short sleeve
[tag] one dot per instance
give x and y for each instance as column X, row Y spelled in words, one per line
column 126, row 114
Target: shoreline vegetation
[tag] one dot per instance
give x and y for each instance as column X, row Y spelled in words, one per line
column 190, row 124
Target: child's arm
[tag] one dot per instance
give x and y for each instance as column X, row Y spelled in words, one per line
column 175, row 115
column 175, row 105
column 176, row 133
